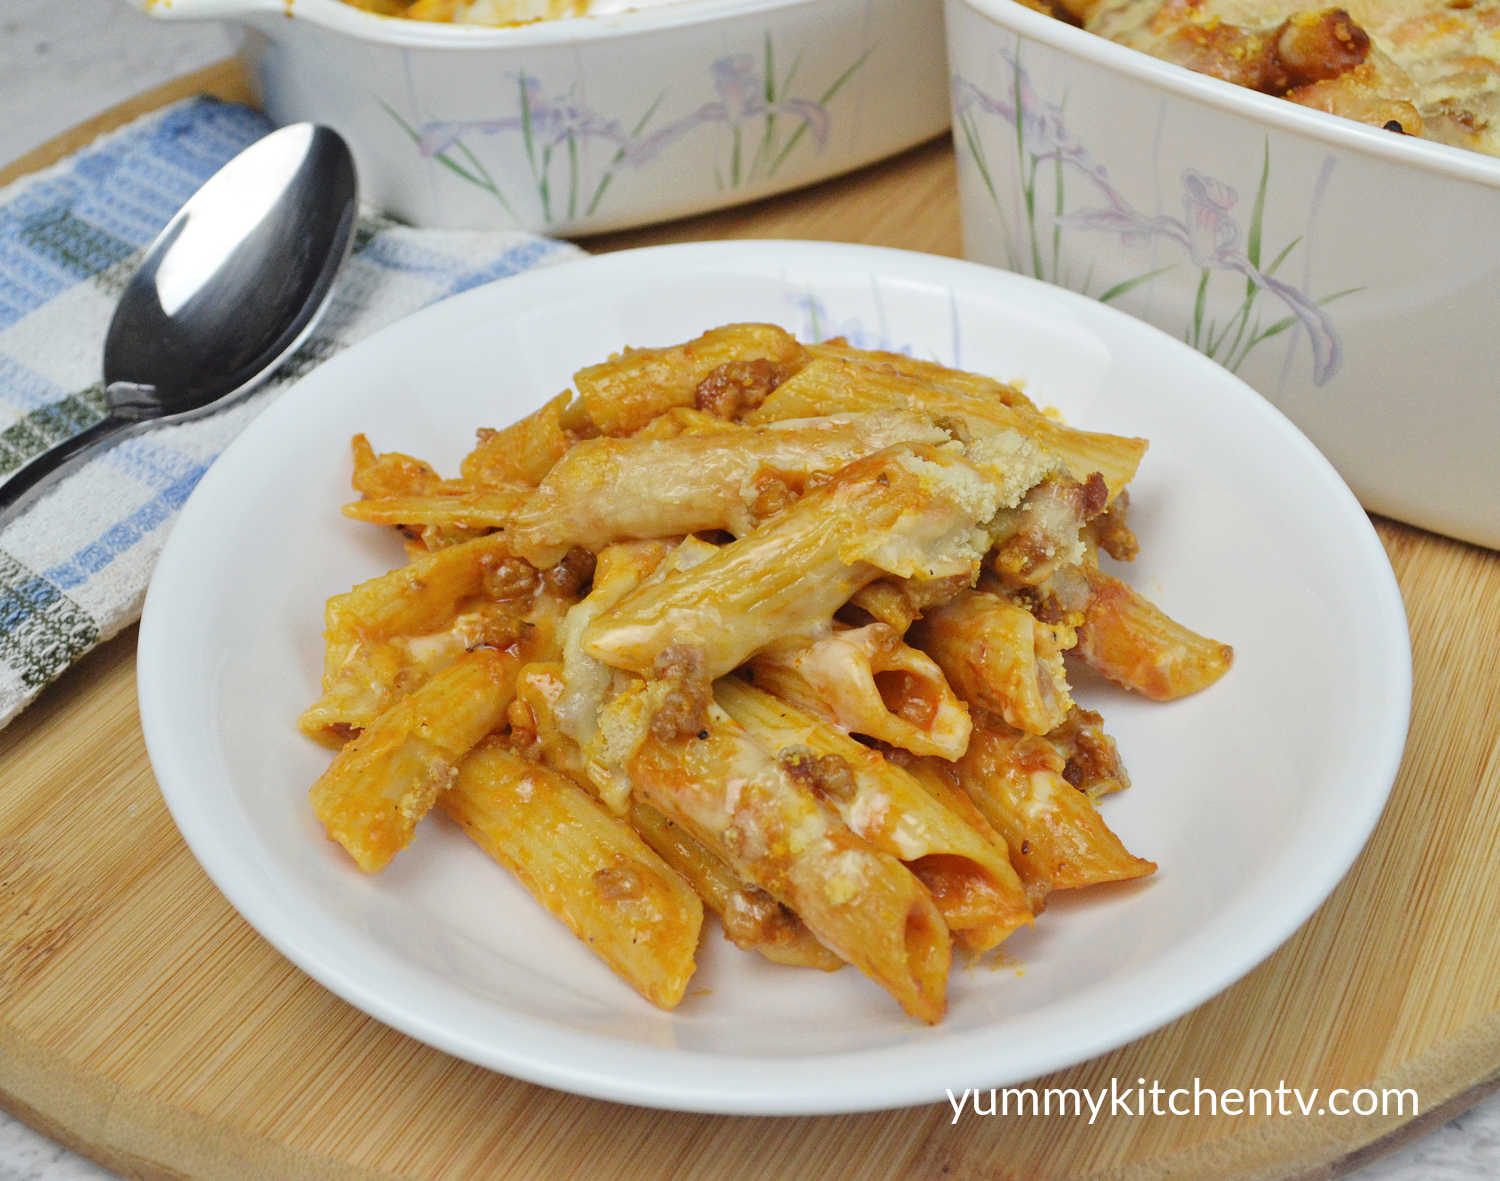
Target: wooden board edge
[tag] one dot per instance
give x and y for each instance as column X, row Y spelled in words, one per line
column 1449, row 1078
column 143, row 1137
column 1427, row 1122
column 138, row 1136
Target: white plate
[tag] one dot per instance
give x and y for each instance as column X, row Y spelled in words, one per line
column 1254, row 797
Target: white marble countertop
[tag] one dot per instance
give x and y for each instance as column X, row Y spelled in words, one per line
column 62, row 61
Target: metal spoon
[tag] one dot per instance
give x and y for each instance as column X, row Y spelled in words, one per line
column 231, row 287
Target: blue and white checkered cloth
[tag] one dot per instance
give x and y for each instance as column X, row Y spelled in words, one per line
column 74, row 568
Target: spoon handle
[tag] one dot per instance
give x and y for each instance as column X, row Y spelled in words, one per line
column 15, row 492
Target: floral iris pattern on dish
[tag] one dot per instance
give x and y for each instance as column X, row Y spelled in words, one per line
column 758, row 119
column 1260, row 305
column 819, row 324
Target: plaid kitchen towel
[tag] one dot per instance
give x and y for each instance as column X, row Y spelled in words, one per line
column 74, row 568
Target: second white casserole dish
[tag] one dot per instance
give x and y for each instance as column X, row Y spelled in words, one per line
column 1350, row 275
column 595, row 123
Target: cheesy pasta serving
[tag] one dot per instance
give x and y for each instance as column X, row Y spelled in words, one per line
column 1418, row 67
column 769, row 628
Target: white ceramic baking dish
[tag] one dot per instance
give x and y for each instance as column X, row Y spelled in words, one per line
column 1351, row 275
column 600, row 122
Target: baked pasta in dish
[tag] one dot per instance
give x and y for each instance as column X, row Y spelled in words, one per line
column 475, row 12
column 491, row 13
column 771, row 630
column 1422, row 67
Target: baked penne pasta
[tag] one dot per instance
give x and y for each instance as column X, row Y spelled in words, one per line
column 684, row 420
column 1110, row 532
column 390, row 473
column 486, row 508
column 695, row 482
column 1045, row 532
column 534, row 727
column 970, row 879
column 976, row 386
column 768, row 629
column 828, row 385
column 1057, row 839
column 898, row 602
column 999, row 657
column 394, row 478
column 870, row 682
column 751, row 918
column 902, row 511
column 724, row 368
column 1135, row 643
column 588, row 868
column 389, row 634
column 935, row 777
column 862, row 904
column 383, row 782
column 524, row 452
column 588, row 683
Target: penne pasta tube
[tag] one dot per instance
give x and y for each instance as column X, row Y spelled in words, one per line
column 1110, row 532
column 488, row 508
column 383, row 782
column 1057, row 839
column 588, row 683
column 1060, row 599
column 686, row 420
column 535, row 730
column 668, row 703
column 977, row 386
column 1045, row 532
column 870, row 682
column 752, row 919
column 903, row 511
column 389, row 634
column 608, row 489
column 937, row 783
column 999, row 657
column 390, row 474
column 1133, row 642
column 421, row 540
column 421, row 595
column 970, row 879
column 738, row 364
column 394, row 478
column 588, row 868
column 524, row 452
column 935, row 777
column 731, row 794
column 828, row 385
column 898, row 602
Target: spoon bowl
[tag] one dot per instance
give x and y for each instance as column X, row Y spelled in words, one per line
column 231, row 286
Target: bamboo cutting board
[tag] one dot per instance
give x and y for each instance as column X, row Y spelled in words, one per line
column 145, row 1024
